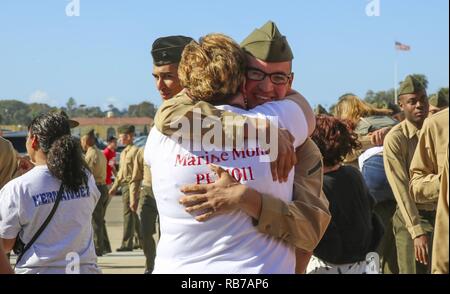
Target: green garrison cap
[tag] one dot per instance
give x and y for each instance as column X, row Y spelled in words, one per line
column 87, row 132
column 438, row 100
column 410, row 85
column 168, row 50
column 267, row 44
column 126, row 129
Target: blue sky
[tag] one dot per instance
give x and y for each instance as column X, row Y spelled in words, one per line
column 103, row 55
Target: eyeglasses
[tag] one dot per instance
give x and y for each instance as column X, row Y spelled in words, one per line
column 278, row 78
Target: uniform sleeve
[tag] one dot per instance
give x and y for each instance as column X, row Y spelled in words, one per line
column 181, row 111
column 425, row 178
column 119, row 178
column 440, row 250
column 303, row 221
column 95, row 193
column 9, row 213
column 90, row 159
column 8, row 162
column 138, row 173
column 352, row 158
column 397, row 173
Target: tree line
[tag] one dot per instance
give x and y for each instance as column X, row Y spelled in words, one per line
column 386, row 99
column 14, row 112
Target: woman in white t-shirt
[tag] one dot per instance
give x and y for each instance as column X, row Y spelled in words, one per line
column 66, row 244
column 213, row 70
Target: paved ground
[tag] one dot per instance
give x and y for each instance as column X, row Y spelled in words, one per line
column 119, row 262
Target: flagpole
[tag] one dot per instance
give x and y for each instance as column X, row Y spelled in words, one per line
column 396, row 73
column 395, row 78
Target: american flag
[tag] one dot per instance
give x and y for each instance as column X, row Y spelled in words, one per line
column 402, row 47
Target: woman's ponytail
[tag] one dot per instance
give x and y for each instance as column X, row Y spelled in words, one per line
column 64, row 156
column 65, row 162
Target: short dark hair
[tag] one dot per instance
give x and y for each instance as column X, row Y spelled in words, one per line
column 111, row 138
column 335, row 138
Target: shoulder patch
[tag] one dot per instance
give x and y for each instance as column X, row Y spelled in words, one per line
column 315, row 168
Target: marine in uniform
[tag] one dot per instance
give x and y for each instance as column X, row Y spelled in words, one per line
column 303, row 221
column 429, row 182
column 96, row 161
column 131, row 224
column 166, row 53
column 141, row 191
column 412, row 222
column 438, row 102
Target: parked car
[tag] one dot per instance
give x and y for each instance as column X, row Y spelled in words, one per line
column 18, row 140
column 140, row 141
column 100, row 144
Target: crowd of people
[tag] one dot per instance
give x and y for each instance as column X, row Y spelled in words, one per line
column 340, row 189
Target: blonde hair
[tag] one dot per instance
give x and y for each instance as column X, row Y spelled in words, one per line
column 212, row 69
column 352, row 108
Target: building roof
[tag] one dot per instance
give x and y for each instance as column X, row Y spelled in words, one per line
column 113, row 121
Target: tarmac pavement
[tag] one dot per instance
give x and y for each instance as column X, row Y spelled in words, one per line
column 119, row 262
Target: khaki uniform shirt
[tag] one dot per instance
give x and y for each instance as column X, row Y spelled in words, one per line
column 399, row 146
column 96, row 161
column 429, row 158
column 440, row 249
column 175, row 112
column 429, row 182
column 141, row 174
column 302, row 222
column 8, row 162
column 125, row 166
column 352, row 157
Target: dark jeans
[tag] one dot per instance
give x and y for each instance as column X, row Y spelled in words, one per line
column 376, row 180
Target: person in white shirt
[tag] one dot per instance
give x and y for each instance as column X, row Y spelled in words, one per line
column 66, row 244
column 228, row 243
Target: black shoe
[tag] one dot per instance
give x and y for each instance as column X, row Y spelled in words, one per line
column 124, row 249
column 98, row 253
column 137, row 246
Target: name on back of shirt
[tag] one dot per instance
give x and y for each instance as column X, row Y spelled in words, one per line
column 50, row 197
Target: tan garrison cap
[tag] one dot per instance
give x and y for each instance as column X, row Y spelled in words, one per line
column 126, row 129
column 267, row 44
column 410, row 85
